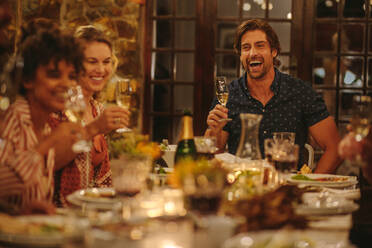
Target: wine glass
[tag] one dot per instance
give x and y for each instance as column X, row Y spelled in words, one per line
column 222, row 93
column 284, row 136
column 123, row 97
column 285, row 159
column 74, row 110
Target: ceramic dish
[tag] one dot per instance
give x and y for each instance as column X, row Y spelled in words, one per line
column 46, row 231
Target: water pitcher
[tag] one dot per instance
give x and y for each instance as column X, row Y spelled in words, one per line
column 249, row 143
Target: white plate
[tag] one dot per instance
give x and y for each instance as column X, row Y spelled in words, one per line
column 311, row 210
column 79, row 198
column 96, row 195
column 313, row 204
column 288, row 238
column 349, row 180
column 73, row 229
column 352, row 194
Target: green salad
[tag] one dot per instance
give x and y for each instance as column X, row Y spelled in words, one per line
column 301, row 177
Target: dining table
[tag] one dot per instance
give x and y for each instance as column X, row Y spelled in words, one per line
column 159, row 218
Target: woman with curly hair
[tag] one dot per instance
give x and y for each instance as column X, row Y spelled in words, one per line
column 51, row 62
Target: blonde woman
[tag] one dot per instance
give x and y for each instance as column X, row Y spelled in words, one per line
column 98, row 69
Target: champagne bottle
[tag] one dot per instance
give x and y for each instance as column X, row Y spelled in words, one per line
column 186, row 146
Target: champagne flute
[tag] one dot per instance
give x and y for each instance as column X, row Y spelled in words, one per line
column 222, row 93
column 123, row 96
column 75, row 107
column 74, row 110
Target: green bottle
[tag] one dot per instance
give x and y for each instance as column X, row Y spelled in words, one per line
column 186, row 148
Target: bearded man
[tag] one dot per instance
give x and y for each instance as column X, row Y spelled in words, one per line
column 287, row 104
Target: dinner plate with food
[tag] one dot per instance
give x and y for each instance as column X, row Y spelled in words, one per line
column 102, row 197
column 325, row 180
column 41, row 230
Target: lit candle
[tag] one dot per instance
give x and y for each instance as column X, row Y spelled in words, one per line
column 170, row 244
column 173, row 202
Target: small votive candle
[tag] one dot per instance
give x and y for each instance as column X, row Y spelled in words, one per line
column 170, row 244
column 151, row 206
column 173, row 202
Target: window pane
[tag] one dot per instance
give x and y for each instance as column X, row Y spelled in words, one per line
column 330, row 100
column 370, row 38
column 161, row 66
column 225, row 35
column 184, row 67
column 183, row 98
column 325, row 70
column 284, row 64
column 252, row 8
column 185, row 8
column 326, row 37
column 279, row 9
column 160, row 128
column 185, row 34
column 283, row 31
column 162, row 7
column 227, row 65
column 326, row 8
column 160, row 97
column 176, row 130
column 227, row 8
column 354, row 8
column 351, row 69
column 346, row 99
column 353, row 38
column 163, row 33
column 370, row 72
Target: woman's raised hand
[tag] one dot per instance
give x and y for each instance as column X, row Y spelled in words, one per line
column 112, row 118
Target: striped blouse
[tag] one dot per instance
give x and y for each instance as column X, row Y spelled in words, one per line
column 25, row 175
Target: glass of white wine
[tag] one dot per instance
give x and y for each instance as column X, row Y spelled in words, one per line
column 123, row 96
column 222, row 93
column 74, row 110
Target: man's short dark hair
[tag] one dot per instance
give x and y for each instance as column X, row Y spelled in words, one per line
column 257, row 24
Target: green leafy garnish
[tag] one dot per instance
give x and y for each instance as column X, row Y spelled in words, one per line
column 48, row 228
column 302, row 177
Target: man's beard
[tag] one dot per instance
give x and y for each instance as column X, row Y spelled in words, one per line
column 253, row 75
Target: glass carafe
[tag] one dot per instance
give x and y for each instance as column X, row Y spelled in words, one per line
column 249, row 143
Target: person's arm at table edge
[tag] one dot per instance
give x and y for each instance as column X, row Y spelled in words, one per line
column 325, row 133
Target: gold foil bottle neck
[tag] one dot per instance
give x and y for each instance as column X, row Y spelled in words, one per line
column 186, row 129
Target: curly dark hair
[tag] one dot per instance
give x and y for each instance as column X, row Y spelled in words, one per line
column 257, row 24
column 37, row 25
column 46, row 46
